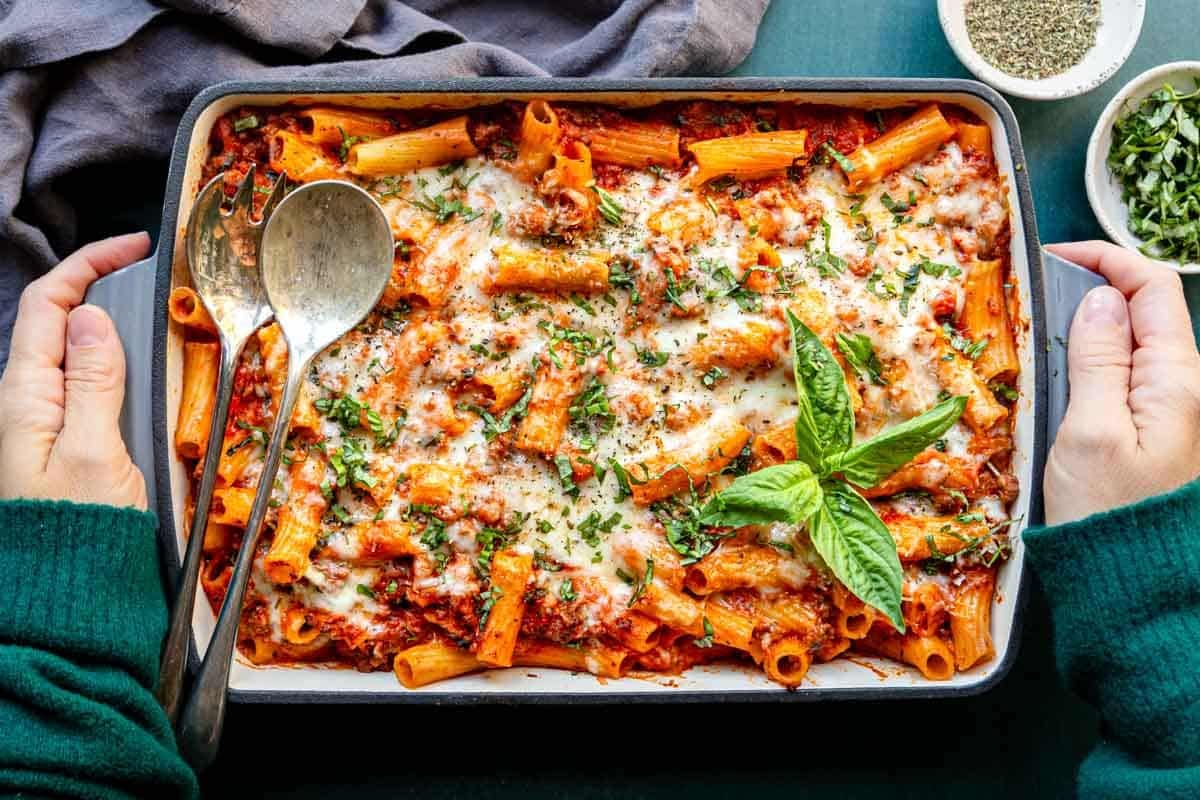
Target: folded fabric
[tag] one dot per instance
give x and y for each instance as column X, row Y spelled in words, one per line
column 105, row 81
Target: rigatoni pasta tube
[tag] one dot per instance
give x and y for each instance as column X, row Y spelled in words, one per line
column 550, row 271
column 433, row 484
column 185, row 308
column 334, row 126
column 261, row 651
column 306, row 420
column 297, row 626
column 672, row 608
column 750, row 155
column 404, row 152
column 852, row 618
column 930, row 471
column 731, row 627
column 971, row 619
column 786, row 660
column 500, row 384
column 432, row 662
column 918, row 537
column 636, row 550
column 667, row 473
column 985, row 317
column 509, row 574
column 236, row 454
column 299, row 522
column 749, row 345
column 973, row 137
column 217, row 536
column 635, row 144
column 743, row 566
column 638, row 632
column 274, row 351
column 372, row 542
column 832, row 648
column 231, row 506
column 775, row 445
column 911, row 140
column 791, row 613
column 540, row 133
column 958, row 376
column 929, row 654
column 300, row 160
column 600, row 660
column 549, row 406
column 201, row 362
column 923, row 607
column 572, row 170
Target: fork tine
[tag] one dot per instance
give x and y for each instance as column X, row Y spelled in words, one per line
column 213, row 194
column 243, row 199
column 273, row 198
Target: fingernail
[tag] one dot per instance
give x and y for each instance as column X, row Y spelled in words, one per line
column 86, row 326
column 1104, row 304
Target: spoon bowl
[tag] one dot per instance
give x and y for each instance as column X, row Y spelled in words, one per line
column 321, row 257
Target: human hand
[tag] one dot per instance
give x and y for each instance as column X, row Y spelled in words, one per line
column 61, row 393
column 1132, row 428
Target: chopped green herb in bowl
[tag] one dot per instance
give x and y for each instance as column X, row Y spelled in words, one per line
column 1142, row 171
column 1155, row 155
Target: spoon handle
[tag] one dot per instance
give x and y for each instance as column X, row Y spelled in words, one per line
column 175, row 650
column 199, row 731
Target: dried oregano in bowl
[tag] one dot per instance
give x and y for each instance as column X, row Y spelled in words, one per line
column 1032, row 39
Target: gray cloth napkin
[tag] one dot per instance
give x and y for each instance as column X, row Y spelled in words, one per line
column 104, row 81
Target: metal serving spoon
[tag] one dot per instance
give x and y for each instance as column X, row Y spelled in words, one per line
column 222, row 254
column 325, row 258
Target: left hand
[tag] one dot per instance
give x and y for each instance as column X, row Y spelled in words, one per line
column 61, row 393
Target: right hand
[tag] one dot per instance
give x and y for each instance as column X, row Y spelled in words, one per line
column 1132, row 428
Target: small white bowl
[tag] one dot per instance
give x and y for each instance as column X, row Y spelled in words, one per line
column 1103, row 190
column 1120, row 26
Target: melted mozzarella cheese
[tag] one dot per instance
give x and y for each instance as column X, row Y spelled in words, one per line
column 656, row 408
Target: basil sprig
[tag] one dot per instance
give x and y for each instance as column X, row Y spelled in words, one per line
column 816, row 489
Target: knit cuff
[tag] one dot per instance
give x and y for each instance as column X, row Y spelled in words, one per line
column 1124, row 590
column 1133, row 558
column 82, row 581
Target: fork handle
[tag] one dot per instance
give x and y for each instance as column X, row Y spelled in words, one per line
column 128, row 297
column 199, row 731
column 175, row 650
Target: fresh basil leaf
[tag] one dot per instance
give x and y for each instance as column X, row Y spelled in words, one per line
column 783, row 493
column 867, row 463
column 825, row 419
column 860, row 354
column 858, row 549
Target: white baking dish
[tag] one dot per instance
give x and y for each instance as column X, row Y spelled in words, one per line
column 138, row 298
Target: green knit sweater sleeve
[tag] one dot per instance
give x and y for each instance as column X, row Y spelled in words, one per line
column 81, row 624
column 1124, row 591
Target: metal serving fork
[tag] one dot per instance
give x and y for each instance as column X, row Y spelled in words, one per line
column 222, row 254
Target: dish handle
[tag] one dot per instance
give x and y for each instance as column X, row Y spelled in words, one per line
column 120, row 294
column 1066, row 284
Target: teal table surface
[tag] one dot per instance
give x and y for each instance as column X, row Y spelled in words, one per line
column 902, row 38
column 1022, row 739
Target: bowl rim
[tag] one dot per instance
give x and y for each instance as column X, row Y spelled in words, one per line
column 1043, row 88
column 1096, row 177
